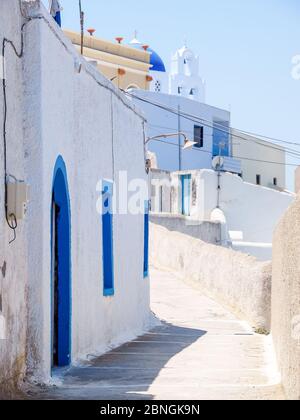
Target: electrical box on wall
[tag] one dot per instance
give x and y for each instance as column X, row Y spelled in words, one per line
column 17, row 199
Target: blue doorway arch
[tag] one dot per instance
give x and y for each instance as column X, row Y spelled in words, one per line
column 60, row 268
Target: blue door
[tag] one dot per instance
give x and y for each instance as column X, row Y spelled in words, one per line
column 61, row 268
column 186, row 194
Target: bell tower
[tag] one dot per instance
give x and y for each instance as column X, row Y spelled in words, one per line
column 184, row 77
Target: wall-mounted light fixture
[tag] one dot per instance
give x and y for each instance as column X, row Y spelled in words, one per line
column 188, row 144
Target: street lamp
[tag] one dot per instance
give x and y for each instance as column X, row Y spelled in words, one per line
column 188, row 144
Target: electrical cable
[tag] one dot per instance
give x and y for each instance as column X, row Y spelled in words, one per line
column 210, row 125
column 155, row 128
column 207, row 123
column 19, row 54
column 215, row 124
column 238, row 157
column 12, row 224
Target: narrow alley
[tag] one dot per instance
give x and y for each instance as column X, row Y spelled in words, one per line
column 200, row 351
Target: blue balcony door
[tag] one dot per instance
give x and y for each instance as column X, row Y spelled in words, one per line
column 61, row 269
column 221, row 138
column 186, row 194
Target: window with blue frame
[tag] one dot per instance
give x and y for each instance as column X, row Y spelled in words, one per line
column 107, row 238
column 198, row 136
column 146, row 240
column 221, row 138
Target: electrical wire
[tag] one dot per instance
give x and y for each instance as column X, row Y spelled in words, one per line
column 155, row 128
column 210, row 125
column 11, row 219
column 215, row 124
column 207, row 123
column 238, row 157
column 270, row 138
column 19, row 54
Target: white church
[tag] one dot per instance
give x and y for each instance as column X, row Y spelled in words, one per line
column 172, row 96
column 176, row 103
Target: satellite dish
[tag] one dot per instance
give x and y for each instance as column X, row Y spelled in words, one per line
column 218, row 163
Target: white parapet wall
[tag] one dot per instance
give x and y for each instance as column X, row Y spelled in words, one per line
column 238, row 281
column 250, row 211
column 206, row 231
column 286, row 299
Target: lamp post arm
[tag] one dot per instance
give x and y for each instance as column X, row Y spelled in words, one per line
column 165, row 136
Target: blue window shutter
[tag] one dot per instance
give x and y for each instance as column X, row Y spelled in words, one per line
column 107, row 239
column 146, row 240
column 221, row 134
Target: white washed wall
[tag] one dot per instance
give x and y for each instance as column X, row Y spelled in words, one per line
column 83, row 118
column 13, row 285
column 161, row 121
column 250, row 209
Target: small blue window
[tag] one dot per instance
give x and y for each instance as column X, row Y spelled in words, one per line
column 107, row 239
column 146, row 240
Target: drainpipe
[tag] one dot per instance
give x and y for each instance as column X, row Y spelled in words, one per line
column 221, row 145
column 179, row 141
column 219, row 187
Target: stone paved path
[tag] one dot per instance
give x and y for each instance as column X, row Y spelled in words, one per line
column 200, row 351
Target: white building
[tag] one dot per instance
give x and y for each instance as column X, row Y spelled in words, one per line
column 184, row 79
column 182, row 91
column 69, row 132
column 262, row 163
column 176, row 102
column 248, row 213
column 167, row 118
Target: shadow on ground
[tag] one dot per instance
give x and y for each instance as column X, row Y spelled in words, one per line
column 127, row 372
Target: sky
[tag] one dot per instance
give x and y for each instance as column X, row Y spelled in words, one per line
column 245, row 47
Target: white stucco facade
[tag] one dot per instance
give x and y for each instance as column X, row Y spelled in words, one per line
column 248, row 213
column 65, row 108
column 286, row 299
column 166, row 119
column 13, row 258
column 176, row 102
column 237, row 281
column 184, row 78
column 261, row 161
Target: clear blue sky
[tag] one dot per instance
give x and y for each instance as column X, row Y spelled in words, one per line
column 245, row 49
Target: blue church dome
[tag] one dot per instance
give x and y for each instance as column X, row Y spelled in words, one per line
column 155, row 59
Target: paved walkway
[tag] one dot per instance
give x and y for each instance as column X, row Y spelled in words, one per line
column 200, row 351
